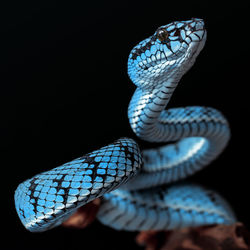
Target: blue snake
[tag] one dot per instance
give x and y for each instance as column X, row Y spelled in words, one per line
column 134, row 184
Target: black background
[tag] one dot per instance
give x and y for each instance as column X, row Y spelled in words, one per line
column 65, row 92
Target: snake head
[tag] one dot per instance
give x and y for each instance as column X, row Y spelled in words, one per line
column 168, row 53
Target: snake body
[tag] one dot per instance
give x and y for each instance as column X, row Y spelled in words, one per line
column 128, row 180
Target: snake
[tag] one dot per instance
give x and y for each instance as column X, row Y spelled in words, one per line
column 136, row 185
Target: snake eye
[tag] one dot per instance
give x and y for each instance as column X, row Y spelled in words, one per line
column 162, row 34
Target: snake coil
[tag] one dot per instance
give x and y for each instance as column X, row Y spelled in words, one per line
column 134, row 185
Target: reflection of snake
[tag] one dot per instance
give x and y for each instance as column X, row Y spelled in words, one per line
column 155, row 65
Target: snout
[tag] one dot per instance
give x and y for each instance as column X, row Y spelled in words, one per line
column 196, row 29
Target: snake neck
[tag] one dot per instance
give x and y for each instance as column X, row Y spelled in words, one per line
column 153, row 94
column 147, row 105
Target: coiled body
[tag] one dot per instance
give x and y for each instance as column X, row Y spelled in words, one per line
column 49, row 198
column 194, row 135
column 164, row 208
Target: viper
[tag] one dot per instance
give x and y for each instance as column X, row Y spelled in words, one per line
column 136, row 186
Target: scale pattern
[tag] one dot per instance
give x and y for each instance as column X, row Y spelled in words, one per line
column 164, row 208
column 200, row 133
column 49, row 198
column 195, row 136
